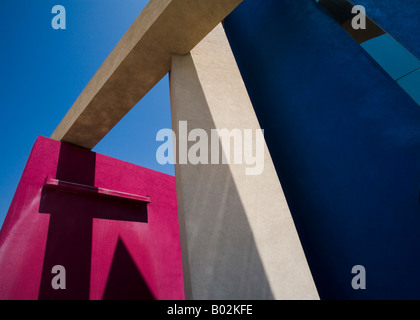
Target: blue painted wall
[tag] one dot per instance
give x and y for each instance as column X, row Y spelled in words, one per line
column 345, row 139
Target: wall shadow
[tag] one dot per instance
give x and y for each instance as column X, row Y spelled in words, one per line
column 125, row 281
column 69, row 239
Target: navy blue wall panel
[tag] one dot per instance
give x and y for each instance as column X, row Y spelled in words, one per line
column 344, row 137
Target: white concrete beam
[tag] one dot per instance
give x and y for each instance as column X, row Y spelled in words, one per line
column 137, row 63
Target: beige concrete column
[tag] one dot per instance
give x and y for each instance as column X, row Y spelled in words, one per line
column 238, row 237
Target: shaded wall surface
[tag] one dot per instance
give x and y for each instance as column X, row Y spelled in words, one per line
column 344, row 137
column 85, row 212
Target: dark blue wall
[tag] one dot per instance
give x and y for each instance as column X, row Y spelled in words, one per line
column 345, row 139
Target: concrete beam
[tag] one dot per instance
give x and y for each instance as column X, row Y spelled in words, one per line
column 138, row 62
column 238, row 238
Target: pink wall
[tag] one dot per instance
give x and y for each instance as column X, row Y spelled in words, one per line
column 111, row 247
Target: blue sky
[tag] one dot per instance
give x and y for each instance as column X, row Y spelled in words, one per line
column 43, row 71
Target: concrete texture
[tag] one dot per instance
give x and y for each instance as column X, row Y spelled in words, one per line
column 238, row 238
column 137, row 63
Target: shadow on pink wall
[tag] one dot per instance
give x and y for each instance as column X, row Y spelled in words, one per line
column 121, row 244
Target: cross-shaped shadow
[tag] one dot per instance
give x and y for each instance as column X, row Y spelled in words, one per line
column 69, row 241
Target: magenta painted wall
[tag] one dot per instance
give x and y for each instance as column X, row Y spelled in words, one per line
column 111, row 248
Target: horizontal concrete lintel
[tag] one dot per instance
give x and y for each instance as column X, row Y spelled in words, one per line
column 138, row 62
